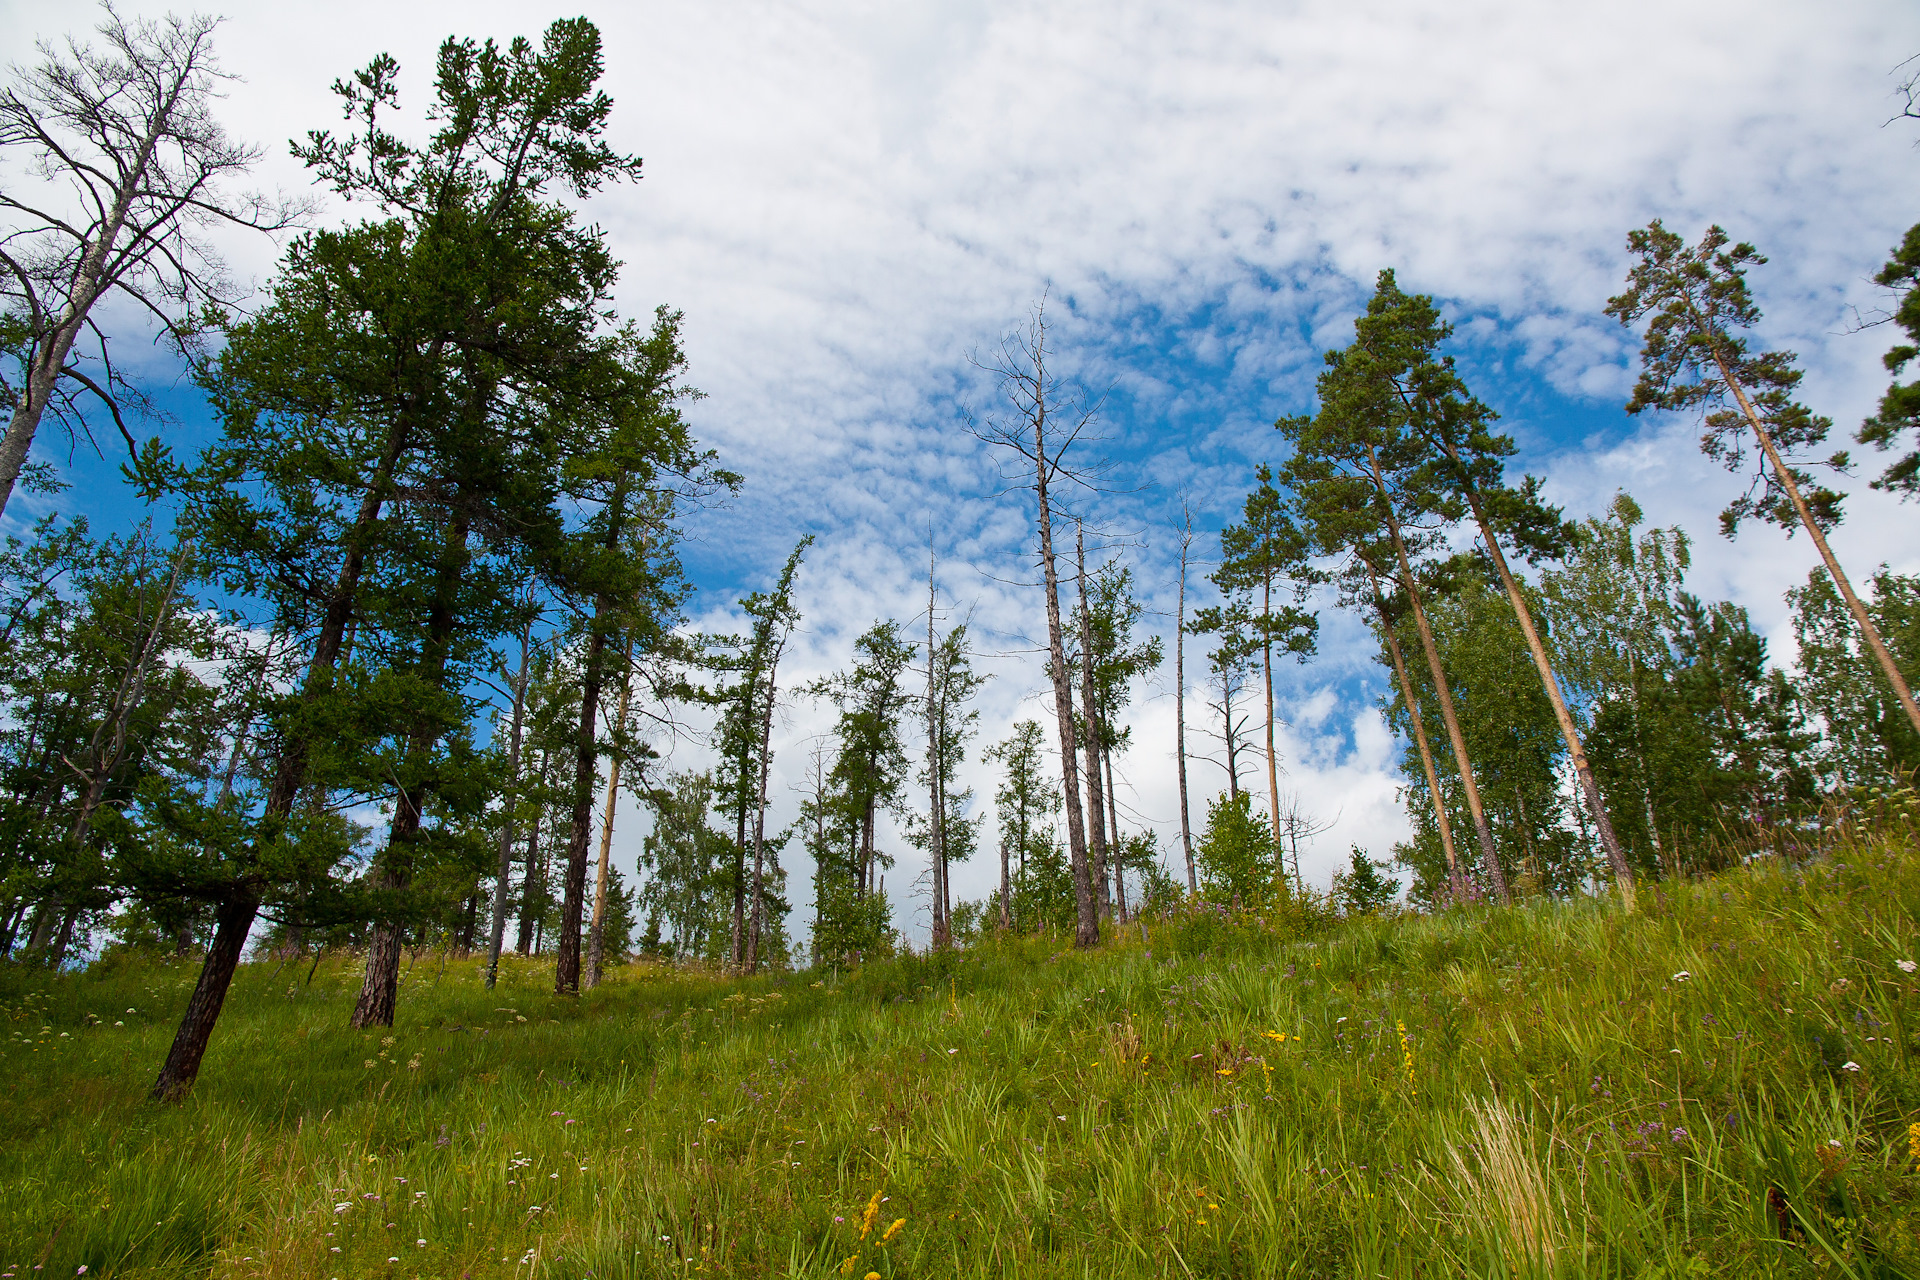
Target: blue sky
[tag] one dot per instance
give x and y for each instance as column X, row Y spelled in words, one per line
column 850, row 200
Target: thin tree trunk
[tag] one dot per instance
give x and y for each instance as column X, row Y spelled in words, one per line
column 936, row 817
column 1180, row 704
column 1113, row 836
column 498, row 933
column 596, row 934
column 1888, row 667
column 1482, row 831
column 1582, row 767
column 1087, row 920
column 1266, row 671
column 532, row 886
column 760, row 802
column 1096, row 803
column 1456, row 883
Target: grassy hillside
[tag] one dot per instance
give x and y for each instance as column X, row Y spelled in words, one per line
column 1720, row 1085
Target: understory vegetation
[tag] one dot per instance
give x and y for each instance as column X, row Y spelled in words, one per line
column 1719, row 1083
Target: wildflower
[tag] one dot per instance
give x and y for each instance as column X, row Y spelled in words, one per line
column 1905, row 966
column 1683, row 976
column 1849, row 1065
column 846, row 1268
column 866, row 1218
column 1679, row 1135
column 421, row 1243
column 1913, row 1142
column 893, row 1230
column 873, row 1275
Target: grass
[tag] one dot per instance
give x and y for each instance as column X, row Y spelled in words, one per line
column 1556, row 1089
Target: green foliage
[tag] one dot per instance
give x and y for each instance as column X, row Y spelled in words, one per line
column 1236, row 857
column 1868, row 740
column 1696, row 359
column 1899, row 410
column 1361, row 890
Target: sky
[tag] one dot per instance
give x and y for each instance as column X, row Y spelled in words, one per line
column 854, row 203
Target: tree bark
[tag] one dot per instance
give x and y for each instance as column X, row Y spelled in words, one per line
column 1096, row 804
column 1087, row 921
column 1443, row 690
column 1266, row 671
column 596, row 934
column 1455, row 882
column 1888, row 667
column 497, row 935
column 1582, row 767
column 1180, row 706
column 586, row 771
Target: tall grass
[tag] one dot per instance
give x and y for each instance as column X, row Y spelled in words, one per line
column 1719, row 1085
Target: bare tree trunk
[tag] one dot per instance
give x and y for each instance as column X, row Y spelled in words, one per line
column 1113, row 834
column 1582, row 767
column 1266, row 673
column 1087, row 925
column 498, row 934
column 1180, row 700
column 1444, row 691
column 1096, row 805
column 760, row 806
column 1888, row 667
column 936, row 817
column 1455, row 881
column 596, row 938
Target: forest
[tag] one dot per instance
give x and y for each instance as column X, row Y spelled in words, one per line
column 373, row 668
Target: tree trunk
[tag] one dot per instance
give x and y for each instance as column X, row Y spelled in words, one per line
column 1482, row 831
column 1113, row 835
column 1455, row 881
column 1096, row 805
column 1583, row 769
column 586, row 771
column 498, row 933
column 532, row 887
column 936, row 816
column 1888, row 667
column 1266, row 671
column 1180, row 707
column 1087, row 921
column 596, row 937
column 232, row 921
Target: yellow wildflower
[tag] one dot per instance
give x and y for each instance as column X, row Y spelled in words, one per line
column 893, row 1230
column 1279, row 1037
column 1913, row 1141
column 872, row 1212
column 1406, row 1054
column 873, row 1275
column 846, row 1268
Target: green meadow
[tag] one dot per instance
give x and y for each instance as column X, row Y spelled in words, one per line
column 1719, row 1084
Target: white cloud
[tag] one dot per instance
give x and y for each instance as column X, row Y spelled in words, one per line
column 847, row 199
